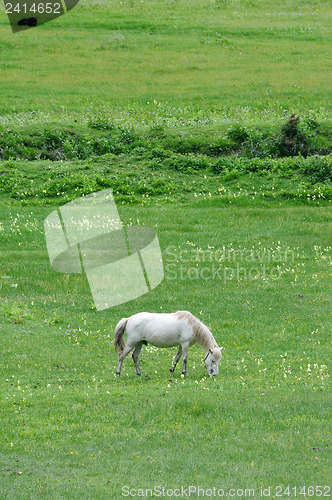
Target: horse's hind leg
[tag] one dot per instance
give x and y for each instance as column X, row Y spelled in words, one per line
column 184, row 358
column 122, row 356
column 135, row 355
column 176, row 359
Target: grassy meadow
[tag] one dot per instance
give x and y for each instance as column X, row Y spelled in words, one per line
column 152, row 60
column 184, row 109
column 68, row 424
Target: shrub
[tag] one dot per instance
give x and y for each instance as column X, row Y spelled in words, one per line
column 219, row 146
column 160, row 153
column 292, row 139
column 186, row 163
column 319, row 168
column 157, row 132
column 52, row 139
column 223, row 164
column 104, row 145
column 184, row 145
column 238, row 134
column 101, row 123
column 128, row 136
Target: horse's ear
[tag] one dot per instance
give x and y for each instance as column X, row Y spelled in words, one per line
column 211, row 351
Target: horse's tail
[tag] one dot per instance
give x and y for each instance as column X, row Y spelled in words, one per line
column 120, row 328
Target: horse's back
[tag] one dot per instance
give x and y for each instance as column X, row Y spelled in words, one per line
column 160, row 329
column 152, row 321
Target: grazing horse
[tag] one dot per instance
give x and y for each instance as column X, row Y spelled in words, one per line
column 166, row 330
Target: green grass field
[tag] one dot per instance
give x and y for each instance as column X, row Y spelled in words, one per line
column 69, row 425
column 178, row 106
column 227, row 60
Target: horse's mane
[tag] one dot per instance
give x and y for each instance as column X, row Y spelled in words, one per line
column 201, row 332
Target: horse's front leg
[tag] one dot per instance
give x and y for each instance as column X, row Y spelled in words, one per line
column 136, row 352
column 176, row 359
column 185, row 357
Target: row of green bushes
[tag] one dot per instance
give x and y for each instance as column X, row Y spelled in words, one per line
column 295, row 137
column 317, row 168
column 65, row 183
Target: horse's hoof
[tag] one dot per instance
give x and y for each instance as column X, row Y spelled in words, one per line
column 118, row 374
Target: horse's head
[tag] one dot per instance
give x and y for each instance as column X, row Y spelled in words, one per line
column 212, row 358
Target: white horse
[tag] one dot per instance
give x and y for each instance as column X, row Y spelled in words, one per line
column 166, row 330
